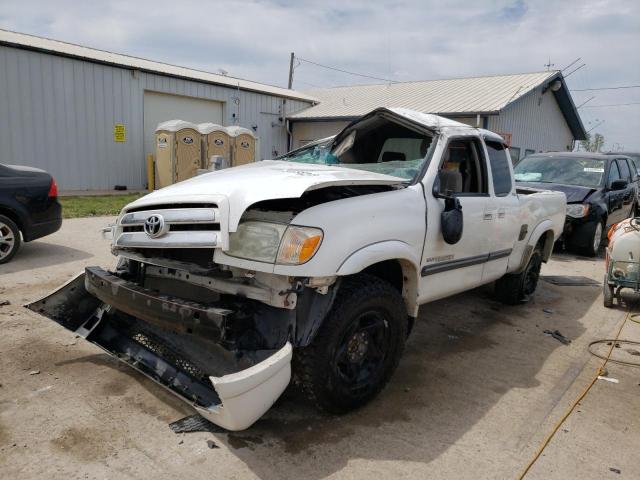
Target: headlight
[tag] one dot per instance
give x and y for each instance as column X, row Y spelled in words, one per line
column 274, row 243
column 257, row 241
column 577, row 210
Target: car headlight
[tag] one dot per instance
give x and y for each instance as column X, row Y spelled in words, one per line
column 577, row 210
column 274, row 243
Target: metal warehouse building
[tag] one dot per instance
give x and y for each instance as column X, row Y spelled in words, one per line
column 534, row 112
column 89, row 116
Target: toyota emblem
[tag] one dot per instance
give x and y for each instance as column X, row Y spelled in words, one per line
column 154, row 226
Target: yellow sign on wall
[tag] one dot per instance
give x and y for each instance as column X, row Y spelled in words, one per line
column 119, row 133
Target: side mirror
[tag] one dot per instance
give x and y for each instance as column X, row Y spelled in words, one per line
column 618, row 185
column 451, row 220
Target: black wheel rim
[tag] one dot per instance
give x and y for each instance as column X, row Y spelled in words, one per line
column 360, row 356
column 531, row 276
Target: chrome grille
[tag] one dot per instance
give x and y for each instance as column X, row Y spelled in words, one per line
column 182, row 228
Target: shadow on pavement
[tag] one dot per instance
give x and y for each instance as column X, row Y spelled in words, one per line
column 40, row 254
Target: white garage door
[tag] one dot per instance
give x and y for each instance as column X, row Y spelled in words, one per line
column 160, row 107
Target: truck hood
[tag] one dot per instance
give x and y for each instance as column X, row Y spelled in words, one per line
column 574, row 193
column 235, row 189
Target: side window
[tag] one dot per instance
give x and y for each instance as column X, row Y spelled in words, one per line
column 632, row 168
column 614, row 173
column 499, row 168
column 515, row 154
column 625, row 174
column 529, row 152
column 463, row 169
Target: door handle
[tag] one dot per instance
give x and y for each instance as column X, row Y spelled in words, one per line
column 488, row 216
column 501, row 213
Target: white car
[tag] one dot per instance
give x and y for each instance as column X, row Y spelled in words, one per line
column 313, row 266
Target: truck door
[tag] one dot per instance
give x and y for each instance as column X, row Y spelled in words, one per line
column 502, row 212
column 462, row 173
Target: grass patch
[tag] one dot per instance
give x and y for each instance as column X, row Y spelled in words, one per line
column 94, row 206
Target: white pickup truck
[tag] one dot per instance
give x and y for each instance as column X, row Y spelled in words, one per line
column 311, row 267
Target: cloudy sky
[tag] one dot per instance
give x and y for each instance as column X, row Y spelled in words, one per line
column 397, row 40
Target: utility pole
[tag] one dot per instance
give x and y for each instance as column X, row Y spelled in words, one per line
column 549, row 64
column 293, row 56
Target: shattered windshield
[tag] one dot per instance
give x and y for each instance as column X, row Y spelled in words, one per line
column 375, row 145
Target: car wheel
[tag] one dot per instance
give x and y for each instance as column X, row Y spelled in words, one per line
column 10, row 239
column 515, row 288
column 357, row 348
column 592, row 232
column 607, row 291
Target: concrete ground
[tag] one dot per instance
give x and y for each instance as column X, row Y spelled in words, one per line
column 478, row 390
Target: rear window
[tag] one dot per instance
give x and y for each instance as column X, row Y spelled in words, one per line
column 499, row 168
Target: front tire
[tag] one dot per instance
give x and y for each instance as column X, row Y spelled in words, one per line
column 592, row 233
column 516, row 288
column 357, row 348
column 10, row 239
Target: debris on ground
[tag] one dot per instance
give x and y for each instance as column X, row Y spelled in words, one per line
column 34, row 372
column 608, row 379
column 570, row 281
column 558, row 336
column 615, row 470
column 194, row 423
column 4, row 303
column 211, row 444
column 548, row 311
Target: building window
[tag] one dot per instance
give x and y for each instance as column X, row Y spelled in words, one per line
column 515, row 154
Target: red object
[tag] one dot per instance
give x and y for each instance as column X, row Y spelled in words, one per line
column 53, row 189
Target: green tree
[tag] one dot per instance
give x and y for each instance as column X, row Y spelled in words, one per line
column 593, row 143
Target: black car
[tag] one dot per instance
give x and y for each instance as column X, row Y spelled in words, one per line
column 29, row 207
column 601, row 190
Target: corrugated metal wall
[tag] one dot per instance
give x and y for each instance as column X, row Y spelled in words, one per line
column 58, row 114
column 535, row 122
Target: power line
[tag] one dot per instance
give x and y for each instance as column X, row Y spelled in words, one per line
column 613, row 105
column 572, row 63
column 604, row 88
column 575, row 70
column 346, row 71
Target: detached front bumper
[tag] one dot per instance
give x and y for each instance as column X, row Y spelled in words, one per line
column 174, row 342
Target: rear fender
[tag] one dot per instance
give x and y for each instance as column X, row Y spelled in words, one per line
column 544, row 231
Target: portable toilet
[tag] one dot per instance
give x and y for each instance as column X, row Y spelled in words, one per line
column 178, row 152
column 215, row 141
column 188, row 152
column 244, row 145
